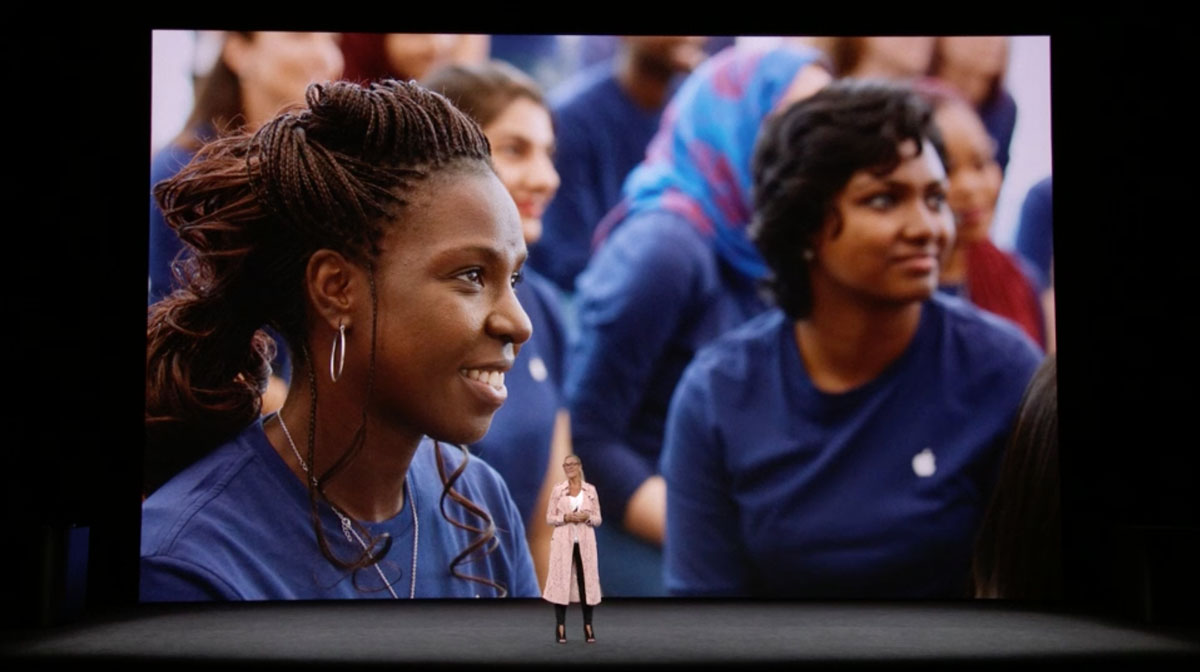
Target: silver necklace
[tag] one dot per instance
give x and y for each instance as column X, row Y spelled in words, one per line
column 348, row 529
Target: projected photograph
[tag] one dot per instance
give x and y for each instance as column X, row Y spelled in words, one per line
column 568, row 317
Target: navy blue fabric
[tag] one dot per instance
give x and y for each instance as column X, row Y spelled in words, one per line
column 520, row 50
column 629, row 565
column 540, row 56
column 777, row 489
column 600, row 135
column 1035, row 229
column 999, row 117
column 653, row 295
column 518, row 443
column 236, row 526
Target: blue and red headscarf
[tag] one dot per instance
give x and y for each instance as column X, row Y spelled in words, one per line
column 698, row 164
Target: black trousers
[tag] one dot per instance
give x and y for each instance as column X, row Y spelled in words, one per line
column 560, row 610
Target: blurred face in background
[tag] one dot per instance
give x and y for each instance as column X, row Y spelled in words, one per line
column 414, row 55
column 974, row 174
column 669, row 53
column 522, row 139
column 973, row 65
column 275, row 68
column 894, row 57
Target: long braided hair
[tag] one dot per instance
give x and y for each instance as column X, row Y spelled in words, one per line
column 252, row 209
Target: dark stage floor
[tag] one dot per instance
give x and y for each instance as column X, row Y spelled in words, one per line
column 520, row 633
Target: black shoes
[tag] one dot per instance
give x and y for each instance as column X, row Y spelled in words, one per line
column 560, row 633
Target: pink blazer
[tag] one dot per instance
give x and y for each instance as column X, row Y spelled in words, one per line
column 561, row 586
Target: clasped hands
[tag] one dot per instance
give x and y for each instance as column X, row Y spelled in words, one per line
column 577, row 517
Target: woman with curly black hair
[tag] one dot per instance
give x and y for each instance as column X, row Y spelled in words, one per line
column 371, row 231
column 845, row 444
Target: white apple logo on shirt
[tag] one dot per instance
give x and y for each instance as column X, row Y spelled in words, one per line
column 537, row 369
column 924, row 464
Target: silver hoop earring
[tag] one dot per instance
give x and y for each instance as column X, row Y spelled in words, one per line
column 338, row 354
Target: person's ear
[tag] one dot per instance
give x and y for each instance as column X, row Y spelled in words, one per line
column 333, row 285
column 831, row 228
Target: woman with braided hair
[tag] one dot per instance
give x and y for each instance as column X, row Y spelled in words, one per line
column 370, row 230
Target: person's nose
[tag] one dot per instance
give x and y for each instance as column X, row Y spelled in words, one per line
column 940, row 223
column 542, row 176
column 925, row 223
column 509, row 322
column 967, row 187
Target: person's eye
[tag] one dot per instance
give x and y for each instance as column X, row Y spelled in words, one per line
column 517, row 278
column 881, row 201
column 511, row 150
column 935, row 200
column 472, row 275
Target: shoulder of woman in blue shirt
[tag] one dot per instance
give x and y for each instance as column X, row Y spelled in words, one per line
column 985, row 340
column 985, row 337
column 539, row 298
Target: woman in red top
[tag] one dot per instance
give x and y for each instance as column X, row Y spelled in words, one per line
column 975, row 268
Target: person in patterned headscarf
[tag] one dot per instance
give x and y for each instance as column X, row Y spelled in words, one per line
column 673, row 270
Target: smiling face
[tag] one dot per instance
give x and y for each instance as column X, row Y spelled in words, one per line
column 974, row 174
column 883, row 242
column 522, row 139
column 572, row 467
column 449, row 321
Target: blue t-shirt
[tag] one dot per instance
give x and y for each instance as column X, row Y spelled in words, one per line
column 540, row 56
column 999, row 117
column 601, row 134
column 236, row 526
column 777, row 489
column 1035, row 229
column 518, row 443
column 653, row 295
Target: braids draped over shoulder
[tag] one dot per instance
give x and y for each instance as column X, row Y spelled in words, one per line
column 251, row 209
